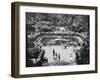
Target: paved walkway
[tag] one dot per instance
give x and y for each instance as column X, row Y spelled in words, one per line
column 66, row 55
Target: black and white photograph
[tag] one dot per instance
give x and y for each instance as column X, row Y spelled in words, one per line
column 57, row 39
column 52, row 39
